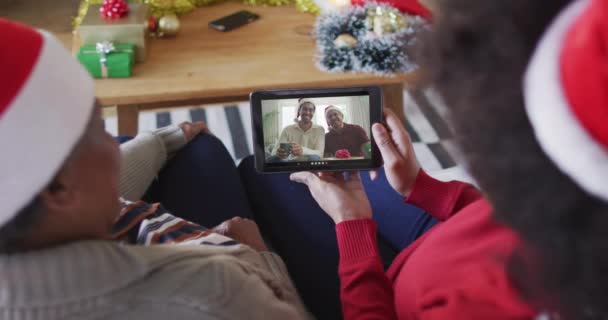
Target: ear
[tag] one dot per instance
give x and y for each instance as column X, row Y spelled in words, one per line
column 59, row 195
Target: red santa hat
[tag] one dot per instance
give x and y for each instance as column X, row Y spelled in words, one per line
column 566, row 94
column 406, row 6
column 45, row 104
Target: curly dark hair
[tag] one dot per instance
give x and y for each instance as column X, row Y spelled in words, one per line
column 476, row 57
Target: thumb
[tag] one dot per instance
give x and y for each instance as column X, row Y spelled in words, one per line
column 385, row 143
column 307, row 178
column 221, row 228
column 200, row 126
column 373, row 175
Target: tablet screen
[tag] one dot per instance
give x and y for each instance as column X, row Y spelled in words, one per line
column 322, row 132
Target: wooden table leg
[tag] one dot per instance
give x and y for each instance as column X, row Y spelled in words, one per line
column 393, row 99
column 128, row 120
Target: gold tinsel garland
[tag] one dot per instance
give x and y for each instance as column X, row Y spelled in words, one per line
column 273, row 3
column 159, row 8
column 307, row 6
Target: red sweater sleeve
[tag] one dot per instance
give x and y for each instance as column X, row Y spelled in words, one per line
column 366, row 292
column 441, row 199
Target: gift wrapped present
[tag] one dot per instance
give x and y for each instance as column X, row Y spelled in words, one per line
column 129, row 29
column 343, row 154
column 107, row 59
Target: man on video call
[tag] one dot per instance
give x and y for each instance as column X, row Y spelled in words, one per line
column 342, row 135
column 303, row 140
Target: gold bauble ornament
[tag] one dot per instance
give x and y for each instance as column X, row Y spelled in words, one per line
column 168, row 25
column 345, row 40
column 385, row 20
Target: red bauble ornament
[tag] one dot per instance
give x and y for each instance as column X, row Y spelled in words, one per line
column 114, row 9
column 343, row 154
column 152, row 24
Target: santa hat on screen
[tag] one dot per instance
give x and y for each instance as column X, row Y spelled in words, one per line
column 566, row 94
column 45, row 104
column 333, row 108
column 301, row 102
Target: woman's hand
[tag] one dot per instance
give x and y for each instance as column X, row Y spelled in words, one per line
column 191, row 130
column 395, row 145
column 244, row 231
column 340, row 194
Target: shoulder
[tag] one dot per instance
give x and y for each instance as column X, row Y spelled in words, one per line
column 290, row 127
column 354, row 127
column 317, row 127
column 206, row 284
column 221, row 287
column 359, row 130
column 204, row 272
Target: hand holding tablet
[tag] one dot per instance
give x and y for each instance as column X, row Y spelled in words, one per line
column 342, row 195
column 316, row 129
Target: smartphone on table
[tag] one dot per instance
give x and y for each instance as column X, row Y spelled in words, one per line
column 234, row 21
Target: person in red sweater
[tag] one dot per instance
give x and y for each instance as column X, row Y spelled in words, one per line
column 436, row 277
column 532, row 244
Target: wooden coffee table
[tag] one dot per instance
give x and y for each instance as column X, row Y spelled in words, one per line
column 203, row 66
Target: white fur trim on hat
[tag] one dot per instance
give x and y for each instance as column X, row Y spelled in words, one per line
column 305, row 100
column 42, row 125
column 561, row 136
column 334, row 108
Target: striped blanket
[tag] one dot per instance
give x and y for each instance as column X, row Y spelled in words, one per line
column 147, row 224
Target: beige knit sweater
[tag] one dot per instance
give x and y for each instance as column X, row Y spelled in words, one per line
column 108, row 280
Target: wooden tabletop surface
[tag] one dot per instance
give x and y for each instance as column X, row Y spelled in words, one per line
column 274, row 52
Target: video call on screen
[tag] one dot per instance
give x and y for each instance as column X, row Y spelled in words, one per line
column 316, row 129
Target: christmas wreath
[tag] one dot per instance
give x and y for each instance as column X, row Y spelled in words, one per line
column 373, row 38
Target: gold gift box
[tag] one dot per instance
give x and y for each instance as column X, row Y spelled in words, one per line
column 131, row 29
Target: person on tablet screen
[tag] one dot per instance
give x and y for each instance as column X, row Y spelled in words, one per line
column 343, row 136
column 303, row 140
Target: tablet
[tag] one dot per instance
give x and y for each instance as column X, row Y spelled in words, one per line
column 315, row 129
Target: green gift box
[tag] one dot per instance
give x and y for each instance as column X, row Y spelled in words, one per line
column 130, row 29
column 108, row 60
